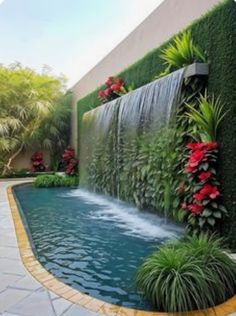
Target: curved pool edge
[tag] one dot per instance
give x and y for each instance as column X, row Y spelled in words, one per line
column 76, row 297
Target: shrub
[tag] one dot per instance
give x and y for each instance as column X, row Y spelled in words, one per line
column 37, row 162
column 68, row 162
column 187, row 275
column 48, row 181
column 24, row 173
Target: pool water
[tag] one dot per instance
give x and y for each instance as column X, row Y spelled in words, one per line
column 91, row 242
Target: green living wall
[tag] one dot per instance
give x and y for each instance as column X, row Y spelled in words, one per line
column 215, row 33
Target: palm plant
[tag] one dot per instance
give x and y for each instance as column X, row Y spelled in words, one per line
column 27, row 101
column 207, row 117
column 54, row 130
column 188, row 275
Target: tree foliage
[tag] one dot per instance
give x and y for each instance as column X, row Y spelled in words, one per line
column 34, row 112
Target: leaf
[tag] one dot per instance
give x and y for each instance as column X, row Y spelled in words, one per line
column 222, row 208
column 202, row 221
column 217, row 214
column 204, row 166
column 211, row 221
column 206, row 212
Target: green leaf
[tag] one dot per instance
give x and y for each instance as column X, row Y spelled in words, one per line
column 207, row 212
column 217, row 214
column 211, row 221
column 202, row 221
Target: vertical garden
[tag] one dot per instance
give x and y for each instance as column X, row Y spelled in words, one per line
column 215, row 34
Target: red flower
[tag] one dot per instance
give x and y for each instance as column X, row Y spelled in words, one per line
column 190, row 169
column 107, row 92
column 196, row 157
column 195, row 208
column 204, row 175
column 116, row 87
column 199, row 146
column 184, row 206
column 120, row 81
column 214, row 193
column 101, row 94
column 198, row 197
column 195, row 146
column 210, row 190
column 211, row 145
column 109, row 81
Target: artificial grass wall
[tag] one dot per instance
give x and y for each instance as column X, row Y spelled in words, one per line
column 215, row 32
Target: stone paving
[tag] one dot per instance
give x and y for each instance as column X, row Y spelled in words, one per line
column 20, row 293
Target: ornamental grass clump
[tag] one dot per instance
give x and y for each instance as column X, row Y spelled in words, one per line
column 188, row 275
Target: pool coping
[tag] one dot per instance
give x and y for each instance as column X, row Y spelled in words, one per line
column 75, row 296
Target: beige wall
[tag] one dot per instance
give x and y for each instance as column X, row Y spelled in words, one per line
column 23, row 160
column 166, row 20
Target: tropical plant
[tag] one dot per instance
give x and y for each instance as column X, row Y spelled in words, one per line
column 181, row 53
column 207, row 116
column 37, row 162
column 201, row 195
column 48, row 181
column 188, row 275
column 54, row 131
column 202, row 202
column 29, row 105
column 68, row 161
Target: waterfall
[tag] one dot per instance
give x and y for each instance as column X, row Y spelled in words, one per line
column 111, row 130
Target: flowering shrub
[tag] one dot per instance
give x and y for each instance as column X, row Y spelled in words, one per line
column 69, row 162
column 114, row 89
column 201, row 192
column 37, row 162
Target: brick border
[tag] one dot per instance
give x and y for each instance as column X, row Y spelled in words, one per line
column 76, row 297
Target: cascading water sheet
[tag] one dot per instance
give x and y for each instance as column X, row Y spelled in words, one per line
column 110, row 128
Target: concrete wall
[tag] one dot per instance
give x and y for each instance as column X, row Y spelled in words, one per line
column 165, row 21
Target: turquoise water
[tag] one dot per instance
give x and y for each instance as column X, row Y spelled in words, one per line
column 92, row 242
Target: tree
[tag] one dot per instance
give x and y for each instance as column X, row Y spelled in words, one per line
column 33, row 112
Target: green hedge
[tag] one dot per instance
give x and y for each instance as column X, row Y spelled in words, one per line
column 215, row 32
column 49, row 181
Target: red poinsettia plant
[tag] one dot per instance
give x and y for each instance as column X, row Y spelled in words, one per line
column 37, row 162
column 201, row 191
column 114, row 89
column 69, row 162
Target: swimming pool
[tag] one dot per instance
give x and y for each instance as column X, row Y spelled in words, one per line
column 91, row 242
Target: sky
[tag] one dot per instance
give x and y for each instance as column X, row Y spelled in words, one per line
column 69, row 36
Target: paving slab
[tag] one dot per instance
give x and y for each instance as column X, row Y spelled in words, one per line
column 78, row 311
column 10, row 297
column 37, row 304
column 7, row 280
column 61, row 305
